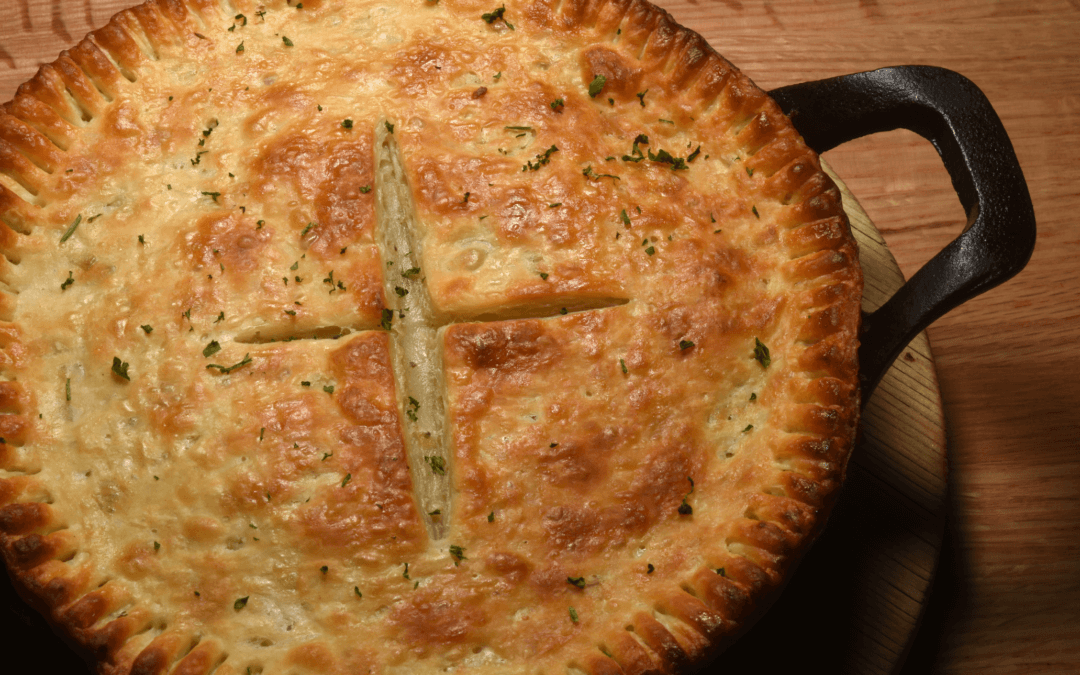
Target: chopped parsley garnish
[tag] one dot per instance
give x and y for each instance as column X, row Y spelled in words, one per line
column 402, row 292
column 211, row 349
column 497, row 15
column 411, row 272
column 761, row 353
column 240, row 47
column 685, row 344
column 437, row 464
column 544, row 276
column 597, row 85
column 491, row 517
column 120, row 368
column 329, row 389
column 405, row 574
column 70, row 280
column 142, row 240
column 389, row 127
column 220, row 317
column 346, row 124
column 198, row 158
column 307, row 229
column 665, row 157
column 557, row 105
column 240, row 603
column 754, row 210
column 414, row 406
column 157, row 546
column 71, row 230
column 518, row 128
column 213, row 195
column 147, row 328
column 753, row 396
column 693, row 155
column 592, row 175
column 324, row 569
column 225, row 370
column 261, row 432
column 67, row 389
column 573, row 615
column 458, row 554
column 287, row 41
column 721, row 571
column 651, row 250
column 625, row 218
column 304, row 383
column 345, row 481
column 356, row 589
column 579, row 582
column 622, row 364
column 541, row 160
column 749, row 171
column 364, row 189
column 387, row 319
column 295, row 266
column 667, row 121
column 290, row 312
column 641, row 97
column 748, row 428
column 685, row 509
column 555, row 205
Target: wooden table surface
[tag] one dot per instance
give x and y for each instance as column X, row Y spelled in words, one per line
column 1007, row 595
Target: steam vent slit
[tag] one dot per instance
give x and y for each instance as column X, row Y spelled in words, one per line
column 415, row 351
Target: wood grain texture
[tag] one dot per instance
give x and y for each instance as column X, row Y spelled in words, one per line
column 1007, row 595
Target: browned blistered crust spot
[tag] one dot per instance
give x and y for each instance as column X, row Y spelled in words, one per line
column 438, row 617
column 622, row 77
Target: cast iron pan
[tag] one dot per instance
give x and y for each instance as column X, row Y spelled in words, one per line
column 951, row 112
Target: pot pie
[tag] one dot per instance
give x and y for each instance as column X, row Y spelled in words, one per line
column 349, row 336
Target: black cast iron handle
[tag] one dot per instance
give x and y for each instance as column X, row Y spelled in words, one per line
column 952, row 113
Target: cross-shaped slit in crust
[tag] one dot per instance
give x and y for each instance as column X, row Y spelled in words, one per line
column 416, row 327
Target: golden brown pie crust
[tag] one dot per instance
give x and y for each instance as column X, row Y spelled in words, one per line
column 611, row 224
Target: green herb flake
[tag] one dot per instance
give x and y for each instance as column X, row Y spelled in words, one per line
column 578, row 582
column 491, row 517
column 641, row 97
column 748, row 428
column 70, row 280
column 685, row 344
column 544, row 276
column 685, row 509
column 497, row 15
column 761, row 353
column 307, row 229
column 651, row 250
column 356, row 589
column 555, row 205
column 261, row 432
column 347, row 124
column 157, row 546
column 753, row 396
column 142, row 240
column 345, row 481
column 541, row 159
column 405, row 574
column 401, row 292
column 213, row 195
column 754, row 209
column 411, row 272
column 387, row 319
column 457, row 553
column 437, row 464
column 389, row 127
column 240, row 603
column 225, row 370
column 721, row 571
column 693, row 155
column 597, row 85
column 287, row 41
column 329, row 389
column 324, row 569
column 573, row 615
column 557, row 105
column 364, row 189
column 592, row 175
column 622, row 365
column 120, row 368
column 67, row 389
column 211, row 349
column 625, row 218
column 240, row 48
column 71, row 230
